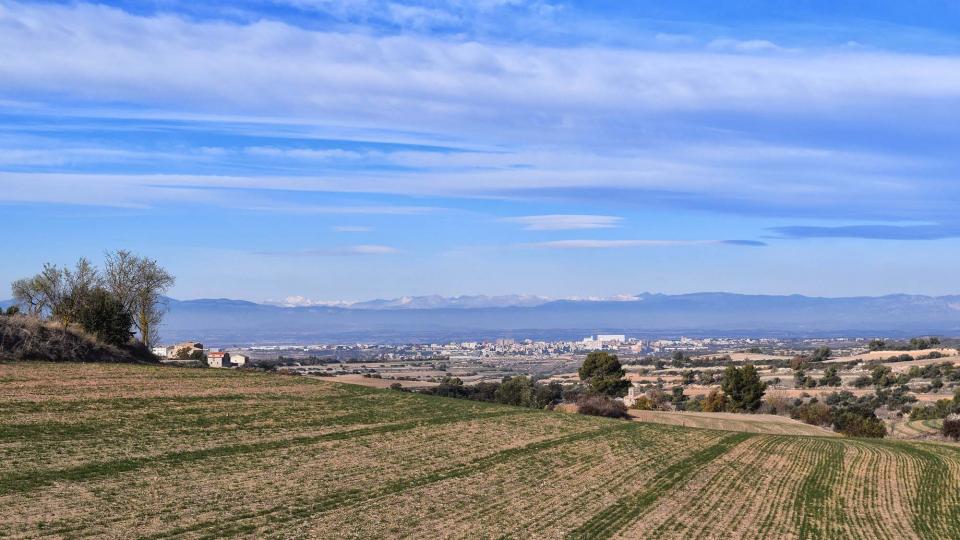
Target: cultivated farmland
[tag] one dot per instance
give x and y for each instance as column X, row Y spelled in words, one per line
column 135, row 451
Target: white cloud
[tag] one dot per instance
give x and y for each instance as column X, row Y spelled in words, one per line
column 562, row 222
column 560, row 118
column 617, row 244
column 302, row 301
column 745, row 46
column 98, row 54
column 360, row 249
column 367, row 249
column 331, row 154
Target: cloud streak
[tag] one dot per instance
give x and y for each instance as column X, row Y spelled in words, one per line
column 621, row 244
column 565, row 222
column 340, row 251
column 873, row 232
column 405, row 81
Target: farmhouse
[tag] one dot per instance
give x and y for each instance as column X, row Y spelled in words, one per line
column 238, row 359
column 221, row 359
column 218, row 359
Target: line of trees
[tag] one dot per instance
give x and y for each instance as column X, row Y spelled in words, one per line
column 127, row 293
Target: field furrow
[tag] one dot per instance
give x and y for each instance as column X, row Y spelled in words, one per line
column 114, row 451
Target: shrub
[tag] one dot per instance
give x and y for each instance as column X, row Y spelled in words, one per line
column 857, row 425
column 602, row 405
column 642, row 403
column 831, row 377
column 715, row 402
column 101, row 314
column 816, row 414
column 821, row 354
column 951, row 428
column 777, row 403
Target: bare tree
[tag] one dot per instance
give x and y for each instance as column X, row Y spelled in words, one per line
column 139, row 284
column 42, row 293
column 29, row 296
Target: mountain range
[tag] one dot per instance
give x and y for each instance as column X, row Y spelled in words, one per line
column 435, row 318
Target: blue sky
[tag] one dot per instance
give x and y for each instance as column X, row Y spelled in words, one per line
column 353, row 149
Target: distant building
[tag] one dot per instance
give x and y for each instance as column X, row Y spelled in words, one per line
column 602, row 341
column 218, row 359
column 160, row 351
column 633, row 393
column 239, row 360
column 222, row 359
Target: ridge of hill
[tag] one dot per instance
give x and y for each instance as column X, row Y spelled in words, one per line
column 231, row 321
column 27, row 338
column 433, row 318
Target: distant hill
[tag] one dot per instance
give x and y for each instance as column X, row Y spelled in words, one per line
column 236, row 321
column 436, row 318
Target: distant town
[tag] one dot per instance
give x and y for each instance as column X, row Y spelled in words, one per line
column 650, row 364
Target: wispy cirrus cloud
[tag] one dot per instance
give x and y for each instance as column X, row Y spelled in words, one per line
column 620, row 244
column 338, row 251
column 556, row 129
column 872, row 232
column 565, row 222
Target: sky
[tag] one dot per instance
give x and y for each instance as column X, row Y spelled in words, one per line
column 357, row 149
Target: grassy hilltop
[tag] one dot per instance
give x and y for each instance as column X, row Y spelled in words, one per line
column 154, row 452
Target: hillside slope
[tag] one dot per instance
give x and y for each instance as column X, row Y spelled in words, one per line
column 26, row 338
column 158, row 452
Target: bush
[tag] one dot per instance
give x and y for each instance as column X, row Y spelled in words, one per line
column 642, row 403
column 821, row 354
column 602, row 405
column 101, row 314
column 694, row 405
column 715, row 402
column 777, row 403
column 941, row 409
column 815, row 413
column 951, row 428
column 852, row 424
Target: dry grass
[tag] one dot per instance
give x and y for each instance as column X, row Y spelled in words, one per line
column 159, row 452
column 373, row 382
column 750, row 423
column 883, row 355
column 905, row 366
